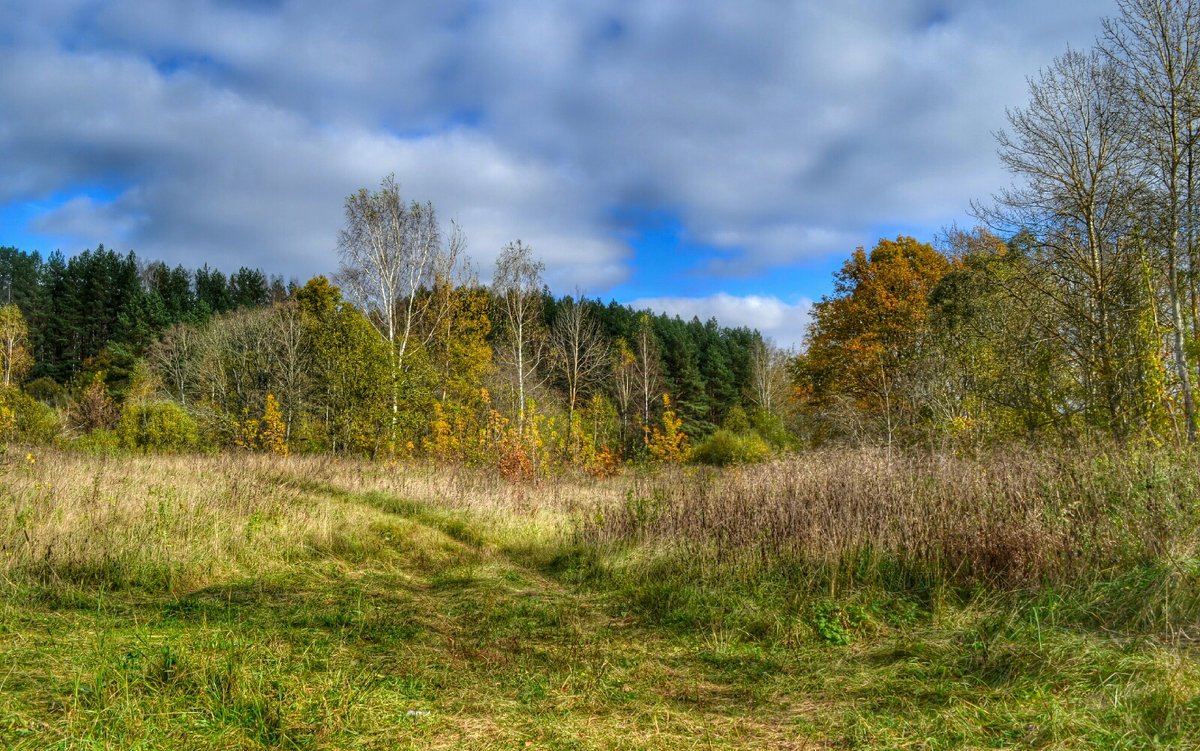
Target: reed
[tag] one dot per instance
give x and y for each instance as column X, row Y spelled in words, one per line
column 1015, row 520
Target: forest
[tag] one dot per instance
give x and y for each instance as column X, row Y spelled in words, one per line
column 113, row 352
column 1071, row 315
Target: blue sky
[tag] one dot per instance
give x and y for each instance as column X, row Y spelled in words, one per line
column 699, row 157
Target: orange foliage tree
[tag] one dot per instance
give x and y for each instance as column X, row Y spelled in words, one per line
column 865, row 336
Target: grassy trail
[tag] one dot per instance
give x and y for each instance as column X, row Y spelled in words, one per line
column 427, row 642
column 422, row 630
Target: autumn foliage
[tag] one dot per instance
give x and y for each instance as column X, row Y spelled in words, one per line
column 266, row 433
column 668, row 443
column 874, row 325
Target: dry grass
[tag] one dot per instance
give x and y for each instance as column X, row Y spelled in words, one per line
column 1021, row 520
column 479, row 490
column 1018, row 520
column 173, row 522
column 179, row 522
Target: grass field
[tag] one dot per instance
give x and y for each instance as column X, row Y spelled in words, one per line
column 250, row 602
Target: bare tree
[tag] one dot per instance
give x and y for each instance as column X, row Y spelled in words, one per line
column 211, row 384
column 649, row 378
column 176, row 359
column 624, row 380
column 391, row 254
column 581, row 354
column 517, row 288
column 769, row 379
column 235, row 358
column 1157, row 43
column 1073, row 148
column 292, row 360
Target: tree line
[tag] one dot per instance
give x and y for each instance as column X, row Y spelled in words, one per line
column 403, row 352
column 98, row 311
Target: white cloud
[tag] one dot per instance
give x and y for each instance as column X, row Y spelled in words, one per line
column 778, row 131
column 779, row 321
column 215, row 177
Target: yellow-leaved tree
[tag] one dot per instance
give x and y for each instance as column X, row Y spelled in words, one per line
column 670, row 443
column 273, row 432
column 461, row 358
column 15, row 359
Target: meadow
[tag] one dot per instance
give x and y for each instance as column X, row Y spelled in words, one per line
column 827, row 600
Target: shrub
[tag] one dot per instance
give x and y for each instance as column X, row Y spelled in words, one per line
column 718, row 449
column 96, row 408
column 736, row 420
column 724, row 448
column 48, row 391
column 218, row 428
column 26, row 419
column 772, row 429
column 606, row 463
column 157, row 426
column 669, row 444
column 100, row 441
column 268, row 433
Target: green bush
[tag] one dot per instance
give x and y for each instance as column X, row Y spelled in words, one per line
column 214, row 426
column 737, row 421
column 99, row 441
column 157, row 426
column 28, row 420
column 724, row 448
column 772, row 429
column 718, row 449
column 48, row 391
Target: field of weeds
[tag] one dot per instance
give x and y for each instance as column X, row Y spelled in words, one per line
column 831, row 600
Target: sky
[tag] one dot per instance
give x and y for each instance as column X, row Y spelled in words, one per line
column 695, row 157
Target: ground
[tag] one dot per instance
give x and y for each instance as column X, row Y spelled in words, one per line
column 424, row 629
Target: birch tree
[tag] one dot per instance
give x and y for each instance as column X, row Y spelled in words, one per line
column 624, row 383
column 517, row 289
column 176, row 357
column 14, row 344
column 1157, row 44
column 581, row 354
column 769, row 378
column 1073, row 150
column 292, row 371
column 391, row 254
column 648, row 371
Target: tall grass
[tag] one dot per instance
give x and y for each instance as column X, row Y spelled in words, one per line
column 1123, row 529
column 173, row 522
column 1018, row 600
column 1019, row 520
column 1108, row 539
column 157, row 522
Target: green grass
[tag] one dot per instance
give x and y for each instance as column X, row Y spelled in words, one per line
column 422, row 626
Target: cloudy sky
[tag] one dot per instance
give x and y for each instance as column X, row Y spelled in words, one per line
column 699, row 157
